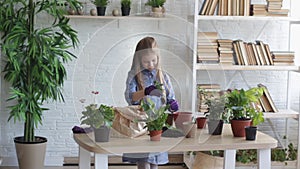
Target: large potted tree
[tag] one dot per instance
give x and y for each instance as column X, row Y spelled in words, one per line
column 34, row 59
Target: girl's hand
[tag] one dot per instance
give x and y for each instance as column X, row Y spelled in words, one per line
column 152, row 91
column 173, row 105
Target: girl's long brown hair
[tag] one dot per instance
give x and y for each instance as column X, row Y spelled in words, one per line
column 145, row 46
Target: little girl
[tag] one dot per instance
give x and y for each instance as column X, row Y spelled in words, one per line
column 144, row 73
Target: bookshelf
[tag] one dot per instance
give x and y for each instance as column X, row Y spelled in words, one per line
column 196, row 19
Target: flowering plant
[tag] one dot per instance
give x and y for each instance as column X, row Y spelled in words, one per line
column 97, row 116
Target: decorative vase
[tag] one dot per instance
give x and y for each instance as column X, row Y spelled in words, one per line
column 180, row 117
column 125, row 11
column 238, row 127
column 250, row 132
column 102, row 134
column 31, row 154
column 201, row 122
column 101, row 10
column 215, row 127
column 155, row 135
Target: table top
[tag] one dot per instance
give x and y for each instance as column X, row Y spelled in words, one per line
column 202, row 142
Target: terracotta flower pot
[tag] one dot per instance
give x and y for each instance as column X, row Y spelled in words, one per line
column 201, row 122
column 238, row 127
column 180, row 117
column 155, row 135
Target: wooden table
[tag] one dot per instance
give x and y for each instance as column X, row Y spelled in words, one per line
column 202, row 142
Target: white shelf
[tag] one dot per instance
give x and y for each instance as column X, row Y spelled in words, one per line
column 282, row 114
column 200, row 66
column 247, row 18
column 141, row 17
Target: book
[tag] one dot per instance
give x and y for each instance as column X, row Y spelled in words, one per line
column 268, row 97
column 263, row 52
column 269, row 54
column 204, row 7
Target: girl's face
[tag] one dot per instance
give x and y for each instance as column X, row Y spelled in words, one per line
column 149, row 61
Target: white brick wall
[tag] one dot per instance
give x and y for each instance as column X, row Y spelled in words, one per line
column 104, row 57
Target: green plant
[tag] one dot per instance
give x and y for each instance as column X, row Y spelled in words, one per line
column 34, row 57
column 156, row 116
column 125, row 3
column 156, row 3
column 216, row 108
column 100, row 3
column 239, row 104
column 97, row 117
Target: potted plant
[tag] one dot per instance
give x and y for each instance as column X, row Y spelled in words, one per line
column 125, row 7
column 156, row 116
column 157, row 7
column 239, row 105
column 34, row 67
column 100, row 119
column 216, row 115
column 101, row 6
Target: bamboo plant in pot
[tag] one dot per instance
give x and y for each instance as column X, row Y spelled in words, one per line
column 239, row 105
column 125, row 7
column 34, row 60
column 157, row 7
column 156, row 116
column 100, row 119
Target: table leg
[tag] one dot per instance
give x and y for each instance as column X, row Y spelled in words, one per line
column 229, row 159
column 264, row 158
column 84, row 159
column 101, row 161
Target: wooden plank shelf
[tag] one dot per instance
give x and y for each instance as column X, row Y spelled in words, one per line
column 247, row 18
column 138, row 17
column 242, row 67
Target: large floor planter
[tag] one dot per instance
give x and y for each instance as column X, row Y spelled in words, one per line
column 238, row 127
column 31, row 155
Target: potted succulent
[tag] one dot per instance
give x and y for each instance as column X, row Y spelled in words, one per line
column 157, row 7
column 125, row 7
column 216, row 115
column 239, row 105
column 156, row 116
column 34, row 67
column 101, row 6
column 100, row 119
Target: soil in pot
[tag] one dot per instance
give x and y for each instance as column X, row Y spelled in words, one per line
column 250, row 132
column 215, row 127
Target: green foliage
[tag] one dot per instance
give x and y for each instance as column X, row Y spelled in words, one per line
column 239, row 104
column 246, row 156
column 34, row 57
column 97, row 117
column 216, row 108
column 126, row 3
column 156, row 3
column 156, row 117
column 100, row 3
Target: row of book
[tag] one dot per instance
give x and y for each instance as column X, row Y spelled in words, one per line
column 242, row 8
column 210, row 49
column 211, row 91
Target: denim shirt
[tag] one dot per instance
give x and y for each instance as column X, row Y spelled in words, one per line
column 148, row 77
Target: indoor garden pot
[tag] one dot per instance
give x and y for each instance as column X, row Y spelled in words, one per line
column 125, row 11
column 31, row 155
column 251, row 132
column 102, row 134
column 180, row 117
column 155, row 135
column 201, row 122
column 238, row 127
column 101, row 10
column 215, row 127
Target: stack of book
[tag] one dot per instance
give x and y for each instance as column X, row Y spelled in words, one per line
column 206, row 91
column 252, row 53
column 283, row 57
column 274, row 8
column 258, row 10
column 207, row 47
column 225, row 51
column 226, row 7
column 266, row 100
